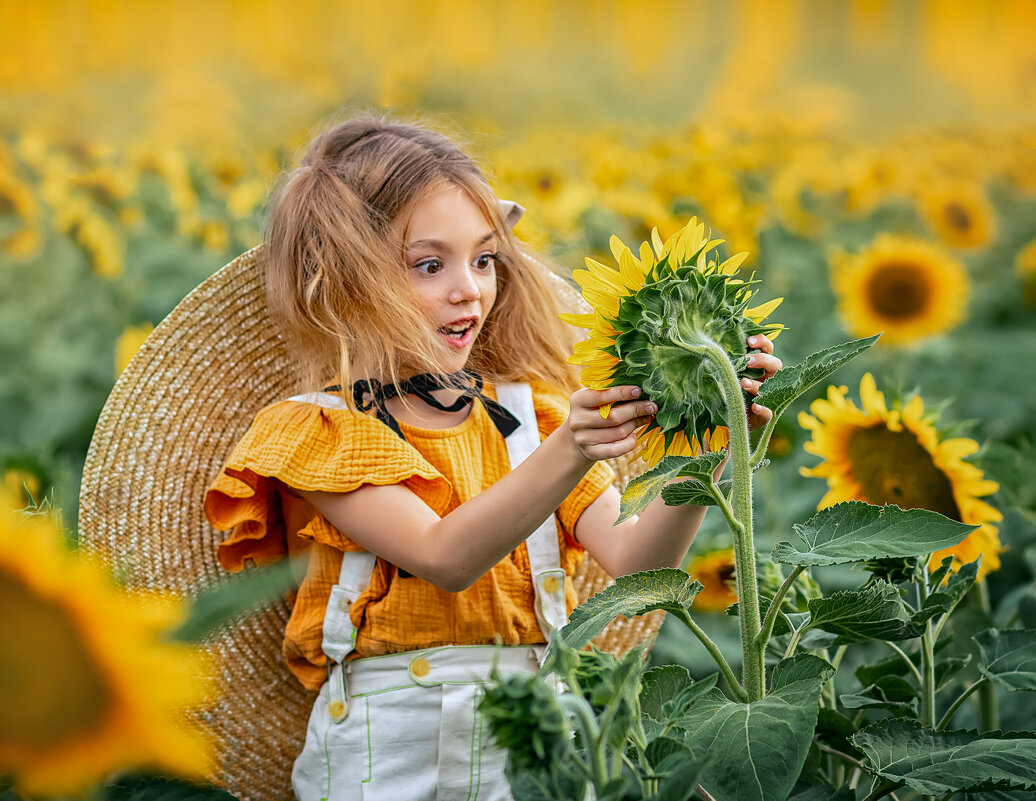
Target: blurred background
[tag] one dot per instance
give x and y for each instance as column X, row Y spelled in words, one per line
column 877, row 158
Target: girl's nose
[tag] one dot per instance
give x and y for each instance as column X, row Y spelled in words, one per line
column 465, row 289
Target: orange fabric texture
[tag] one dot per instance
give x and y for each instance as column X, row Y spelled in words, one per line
column 309, row 447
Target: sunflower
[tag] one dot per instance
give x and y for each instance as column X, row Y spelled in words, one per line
column 906, row 287
column 960, row 214
column 895, row 455
column 87, row 685
column 129, row 342
column 715, row 570
column 649, row 316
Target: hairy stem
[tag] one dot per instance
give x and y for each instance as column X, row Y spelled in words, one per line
column 716, row 654
column 744, row 546
column 764, row 441
column 775, row 605
column 944, row 721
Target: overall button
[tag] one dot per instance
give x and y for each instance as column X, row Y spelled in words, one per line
column 344, row 605
column 551, row 585
column 337, row 710
column 419, row 668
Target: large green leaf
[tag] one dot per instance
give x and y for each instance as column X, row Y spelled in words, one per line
column 763, row 744
column 854, row 531
column 1008, row 657
column 801, row 667
column 936, row 763
column 636, row 594
column 668, row 691
column 893, row 693
column 870, row 613
column 680, row 771
column 777, row 393
column 648, row 485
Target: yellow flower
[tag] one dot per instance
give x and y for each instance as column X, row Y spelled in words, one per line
column 908, row 288
column 1025, row 266
column 24, row 243
column 715, row 570
column 129, row 342
column 214, row 235
column 960, row 214
column 880, row 455
column 89, row 684
column 18, row 483
column 625, row 347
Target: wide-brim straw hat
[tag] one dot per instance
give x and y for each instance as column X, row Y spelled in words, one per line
column 174, row 415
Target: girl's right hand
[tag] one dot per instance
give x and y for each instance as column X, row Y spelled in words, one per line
column 597, row 437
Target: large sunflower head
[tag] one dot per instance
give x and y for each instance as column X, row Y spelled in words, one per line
column 88, row 685
column 908, row 288
column 894, row 454
column 651, row 315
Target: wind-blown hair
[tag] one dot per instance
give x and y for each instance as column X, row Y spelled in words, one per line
column 336, row 274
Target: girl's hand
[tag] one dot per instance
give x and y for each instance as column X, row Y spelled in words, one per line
column 597, row 437
column 769, row 364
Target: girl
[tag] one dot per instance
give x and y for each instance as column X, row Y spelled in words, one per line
column 393, row 272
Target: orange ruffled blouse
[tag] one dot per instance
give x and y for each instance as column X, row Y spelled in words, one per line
column 309, row 447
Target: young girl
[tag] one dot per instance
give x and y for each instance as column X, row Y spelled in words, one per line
column 451, row 436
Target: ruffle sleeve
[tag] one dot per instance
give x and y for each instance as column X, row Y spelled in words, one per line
column 552, row 409
column 304, row 446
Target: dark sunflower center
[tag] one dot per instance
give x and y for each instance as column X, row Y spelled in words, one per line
column 50, row 685
column 957, row 216
column 898, row 291
column 893, row 467
column 725, row 574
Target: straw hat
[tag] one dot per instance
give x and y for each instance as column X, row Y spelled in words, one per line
column 170, row 422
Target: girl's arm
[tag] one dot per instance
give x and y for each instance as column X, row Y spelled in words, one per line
column 452, row 552
column 661, row 535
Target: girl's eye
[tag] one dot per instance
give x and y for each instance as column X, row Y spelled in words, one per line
column 428, row 266
column 486, row 261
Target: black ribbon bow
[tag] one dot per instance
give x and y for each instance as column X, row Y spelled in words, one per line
column 369, row 393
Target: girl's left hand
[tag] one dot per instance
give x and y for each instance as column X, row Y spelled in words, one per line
column 769, row 364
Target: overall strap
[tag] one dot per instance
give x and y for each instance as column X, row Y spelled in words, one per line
column 548, row 578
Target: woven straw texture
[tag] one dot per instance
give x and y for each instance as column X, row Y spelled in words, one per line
column 170, row 422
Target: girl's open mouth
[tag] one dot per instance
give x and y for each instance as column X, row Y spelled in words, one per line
column 460, row 333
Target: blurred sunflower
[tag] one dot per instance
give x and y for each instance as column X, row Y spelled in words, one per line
column 906, row 287
column 895, row 455
column 715, row 570
column 129, row 342
column 88, row 684
column 651, row 316
column 960, row 214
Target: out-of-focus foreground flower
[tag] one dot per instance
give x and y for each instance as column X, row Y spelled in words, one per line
column 88, row 684
column 895, row 455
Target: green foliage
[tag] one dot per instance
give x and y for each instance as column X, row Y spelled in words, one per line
column 934, row 763
column 644, row 488
column 777, row 393
column 636, row 594
column 158, row 788
column 1009, row 657
column 854, row 531
column 871, row 613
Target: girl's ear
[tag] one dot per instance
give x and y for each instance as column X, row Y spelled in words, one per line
column 511, row 212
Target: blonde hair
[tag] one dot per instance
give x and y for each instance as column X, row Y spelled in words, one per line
column 336, row 277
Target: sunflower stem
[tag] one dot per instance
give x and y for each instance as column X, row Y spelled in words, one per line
column 744, row 546
column 764, row 441
column 716, row 654
column 724, row 506
column 989, row 710
column 775, row 605
column 927, row 665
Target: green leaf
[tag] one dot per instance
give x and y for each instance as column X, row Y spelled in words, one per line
column 854, row 531
column 217, row 606
column 763, row 744
column 667, row 692
column 777, row 393
column 1008, row 657
column 948, row 596
column 875, row 671
column 947, row 667
column 936, row 763
column 801, row 667
column 691, row 492
column 894, row 694
column 636, row 594
column 822, row 791
column 871, row 613
column 646, row 487
column 680, row 772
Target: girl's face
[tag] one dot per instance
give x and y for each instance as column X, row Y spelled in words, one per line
column 451, row 258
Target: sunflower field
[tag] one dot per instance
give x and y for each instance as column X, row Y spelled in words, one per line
column 867, row 583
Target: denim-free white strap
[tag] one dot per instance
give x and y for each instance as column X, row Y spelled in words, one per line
column 548, row 578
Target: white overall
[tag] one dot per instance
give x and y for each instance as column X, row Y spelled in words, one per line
column 405, row 727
